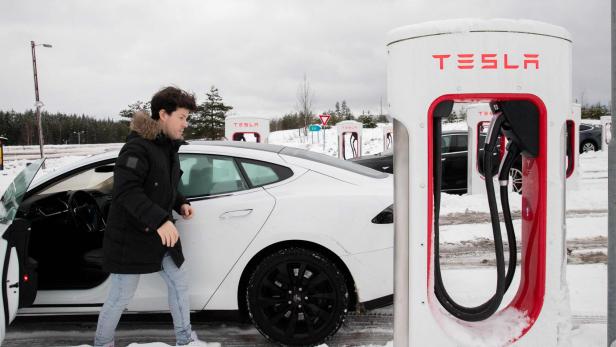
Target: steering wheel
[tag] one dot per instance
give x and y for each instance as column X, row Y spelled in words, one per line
column 85, row 212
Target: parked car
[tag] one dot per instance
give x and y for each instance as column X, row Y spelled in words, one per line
column 590, row 137
column 454, row 146
column 289, row 238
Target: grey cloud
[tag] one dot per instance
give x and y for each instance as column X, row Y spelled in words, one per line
column 108, row 54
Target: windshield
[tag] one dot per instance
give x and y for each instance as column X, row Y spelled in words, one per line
column 16, row 190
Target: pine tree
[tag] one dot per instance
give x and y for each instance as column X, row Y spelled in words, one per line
column 209, row 120
column 132, row 108
column 345, row 111
column 367, row 120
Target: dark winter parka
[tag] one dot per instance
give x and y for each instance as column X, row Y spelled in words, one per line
column 145, row 182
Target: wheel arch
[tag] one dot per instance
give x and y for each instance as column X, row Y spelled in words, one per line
column 262, row 254
column 588, row 140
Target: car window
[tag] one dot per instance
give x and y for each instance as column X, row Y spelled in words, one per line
column 584, row 127
column 209, row 175
column 458, row 143
column 98, row 178
column 261, row 173
column 445, row 143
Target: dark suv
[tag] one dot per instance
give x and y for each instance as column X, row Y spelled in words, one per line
column 590, row 137
column 454, row 146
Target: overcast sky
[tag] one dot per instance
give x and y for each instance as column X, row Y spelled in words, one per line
column 108, row 54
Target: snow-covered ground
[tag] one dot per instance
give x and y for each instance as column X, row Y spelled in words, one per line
column 586, row 221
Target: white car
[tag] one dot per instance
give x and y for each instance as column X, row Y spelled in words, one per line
column 291, row 238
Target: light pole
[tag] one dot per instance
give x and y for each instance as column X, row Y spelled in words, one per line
column 79, row 135
column 38, row 102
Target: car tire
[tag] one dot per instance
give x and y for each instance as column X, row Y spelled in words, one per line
column 297, row 297
column 515, row 174
column 588, row 146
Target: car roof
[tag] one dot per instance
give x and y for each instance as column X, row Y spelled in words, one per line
column 195, row 146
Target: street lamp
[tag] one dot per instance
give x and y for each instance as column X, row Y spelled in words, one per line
column 38, row 102
column 79, row 135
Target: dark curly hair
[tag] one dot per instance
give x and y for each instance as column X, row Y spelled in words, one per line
column 170, row 99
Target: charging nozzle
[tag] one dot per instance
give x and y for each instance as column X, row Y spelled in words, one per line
column 494, row 132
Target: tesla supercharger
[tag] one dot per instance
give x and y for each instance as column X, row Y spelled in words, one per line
column 606, row 131
column 349, row 139
column 523, row 69
column 388, row 136
column 251, row 129
column 478, row 117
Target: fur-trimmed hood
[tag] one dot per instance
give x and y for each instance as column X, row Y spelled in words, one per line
column 145, row 126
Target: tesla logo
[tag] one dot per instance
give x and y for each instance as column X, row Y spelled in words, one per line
column 488, row 61
column 246, row 125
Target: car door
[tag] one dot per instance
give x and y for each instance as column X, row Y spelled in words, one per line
column 228, row 213
column 12, row 242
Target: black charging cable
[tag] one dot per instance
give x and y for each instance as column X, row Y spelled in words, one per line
column 504, row 279
column 353, row 141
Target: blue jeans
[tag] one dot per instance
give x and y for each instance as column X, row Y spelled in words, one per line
column 122, row 290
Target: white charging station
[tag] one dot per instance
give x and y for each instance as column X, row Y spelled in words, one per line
column 250, row 129
column 388, row 136
column 349, row 139
column 501, row 61
column 606, row 131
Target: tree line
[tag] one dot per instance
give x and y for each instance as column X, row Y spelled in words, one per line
column 595, row 111
column 340, row 112
column 21, row 128
column 207, row 122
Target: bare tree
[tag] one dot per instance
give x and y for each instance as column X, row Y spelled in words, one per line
column 305, row 97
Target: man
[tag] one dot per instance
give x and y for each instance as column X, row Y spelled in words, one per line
column 140, row 237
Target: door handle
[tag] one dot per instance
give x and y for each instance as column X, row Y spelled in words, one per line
column 235, row 214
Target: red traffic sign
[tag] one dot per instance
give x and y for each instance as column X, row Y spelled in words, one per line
column 324, row 118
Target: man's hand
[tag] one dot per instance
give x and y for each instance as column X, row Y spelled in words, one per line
column 186, row 211
column 168, row 234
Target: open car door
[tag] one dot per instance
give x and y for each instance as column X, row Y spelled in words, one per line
column 18, row 272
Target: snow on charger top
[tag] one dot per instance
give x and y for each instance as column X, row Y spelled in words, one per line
column 469, row 25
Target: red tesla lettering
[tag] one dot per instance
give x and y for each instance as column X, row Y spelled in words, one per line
column 465, row 61
column 441, row 58
column 507, row 66
column 489, row 61
column 531, row 59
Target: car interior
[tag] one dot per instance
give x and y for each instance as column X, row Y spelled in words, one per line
column 67, row 223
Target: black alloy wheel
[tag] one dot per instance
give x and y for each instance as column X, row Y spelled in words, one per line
column 297, row 297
